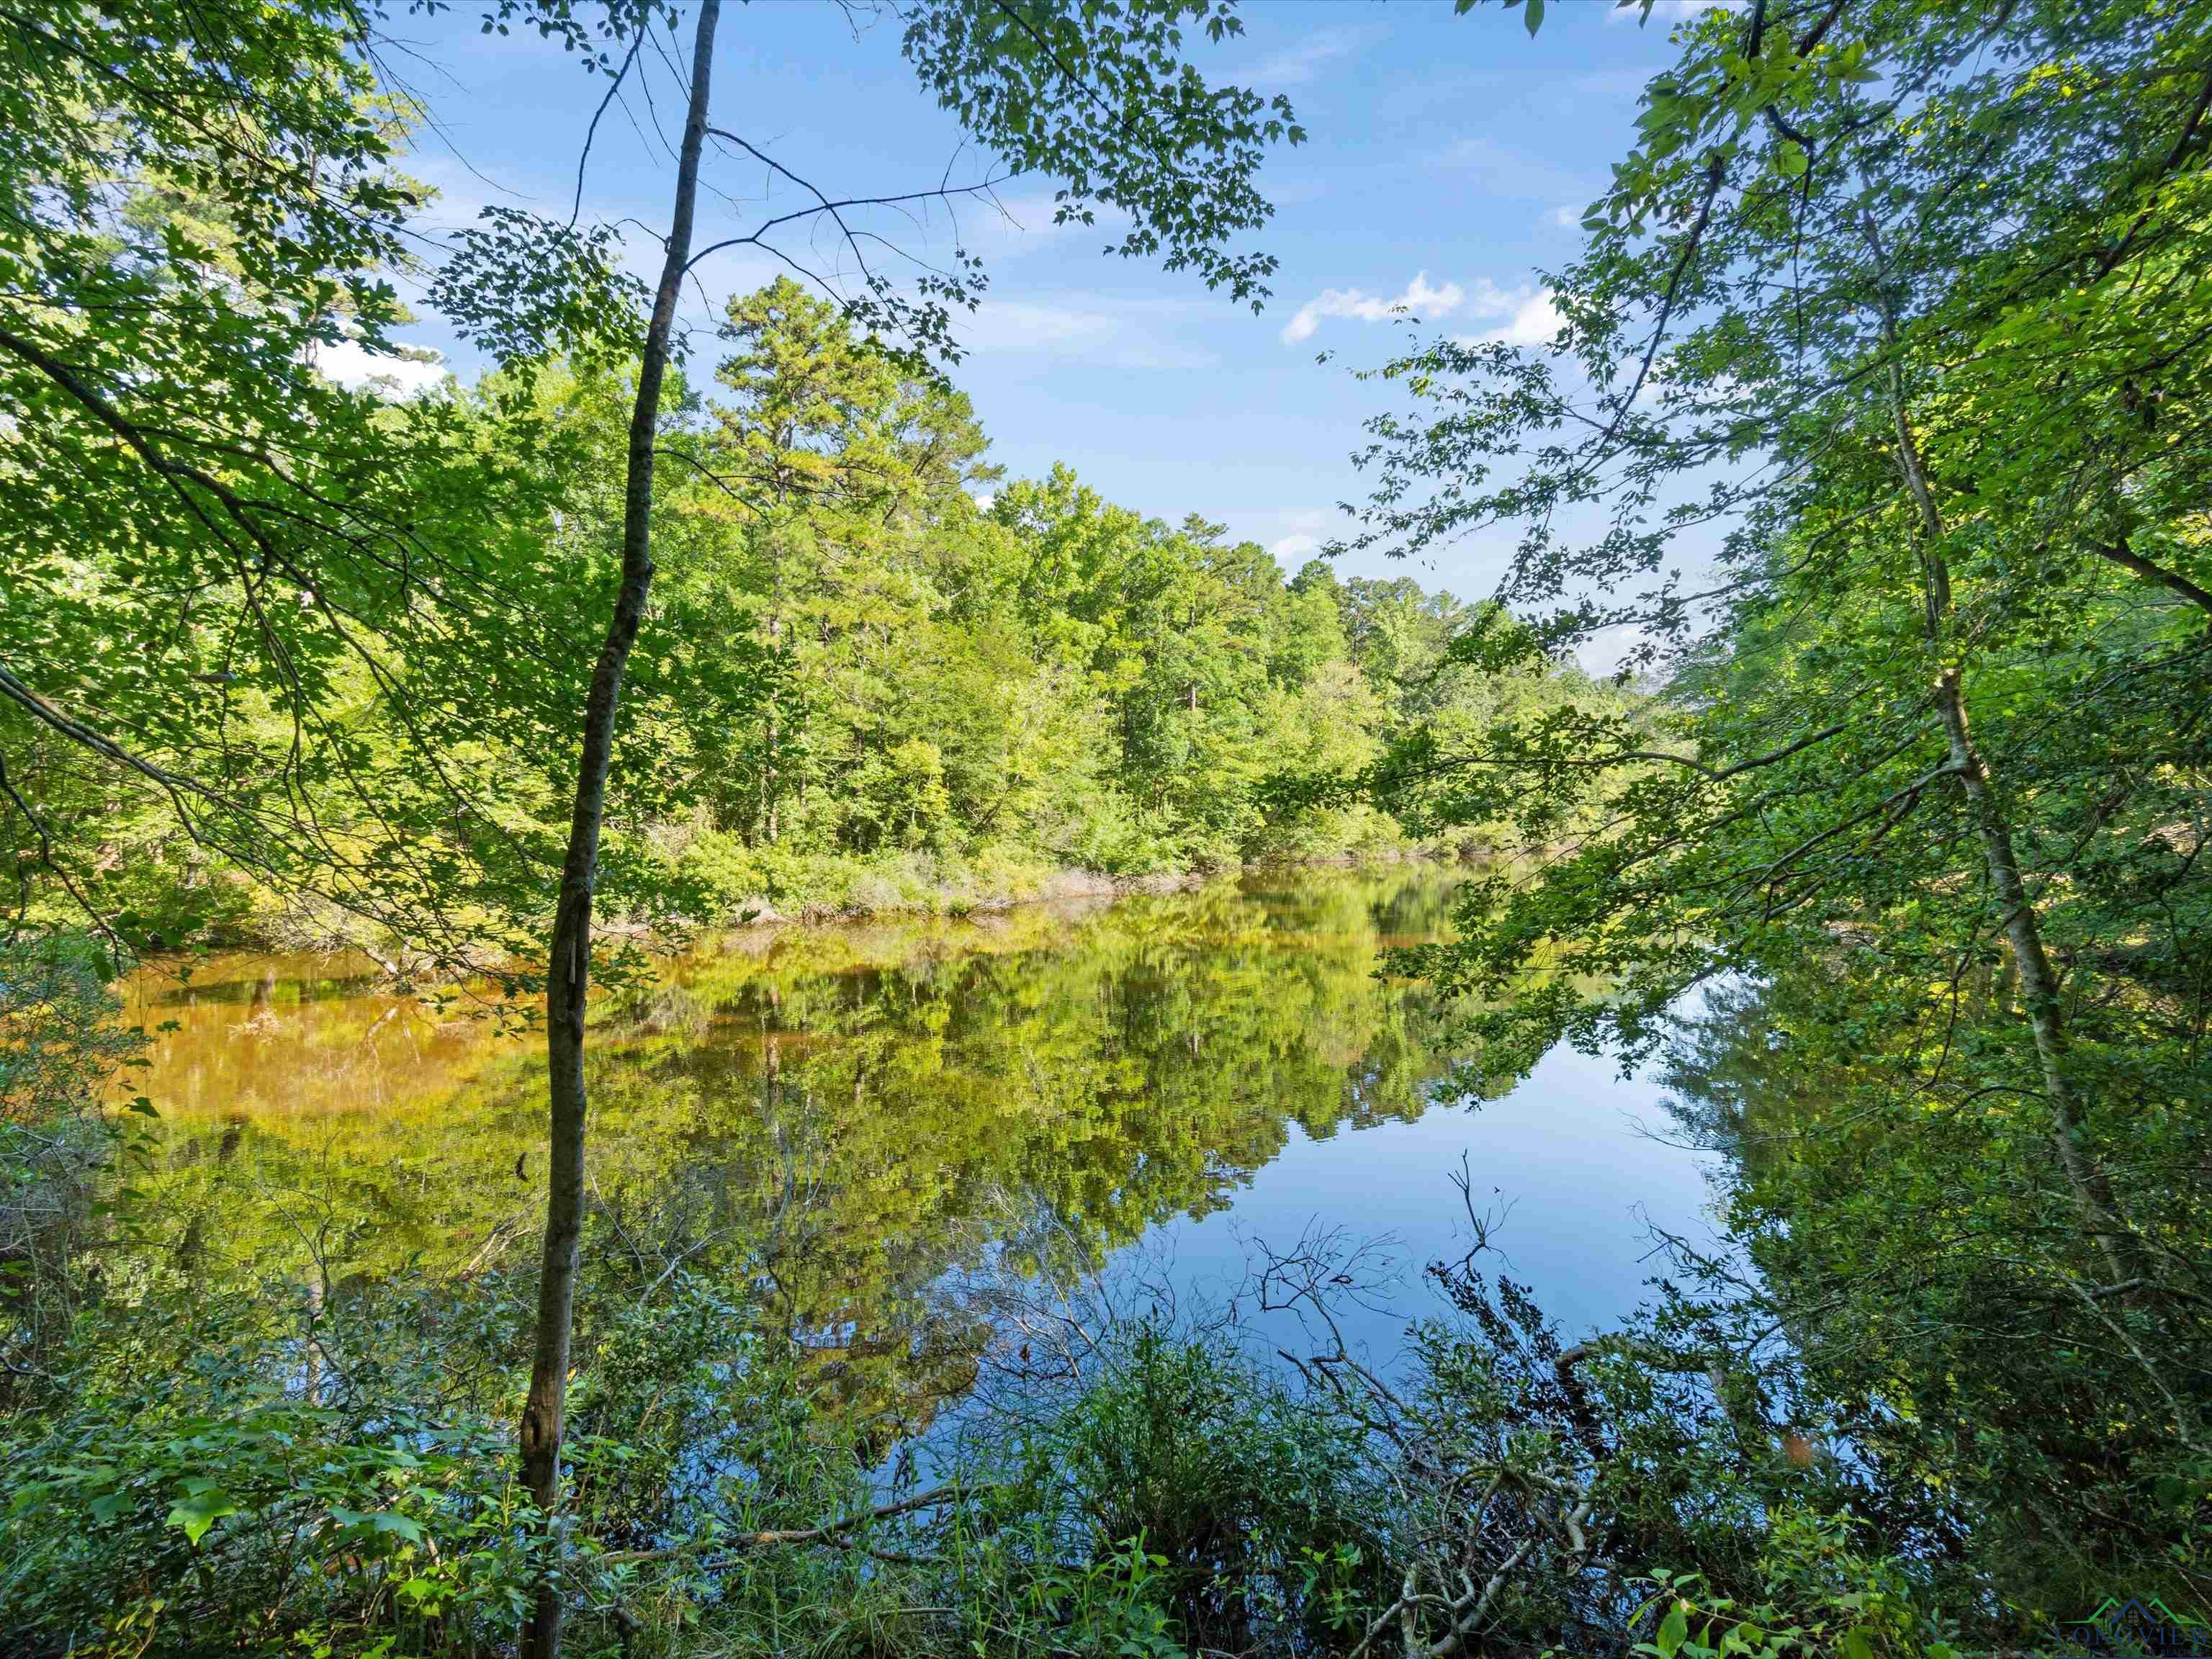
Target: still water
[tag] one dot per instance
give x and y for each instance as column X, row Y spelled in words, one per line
column 843, row 1121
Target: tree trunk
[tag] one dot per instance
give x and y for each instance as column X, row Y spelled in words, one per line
column 568, row 964
column 2038, row 983
column 768, row 780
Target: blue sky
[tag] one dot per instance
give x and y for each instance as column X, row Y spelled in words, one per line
column 1448, row 157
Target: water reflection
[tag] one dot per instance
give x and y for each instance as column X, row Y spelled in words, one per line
column 833, row 1121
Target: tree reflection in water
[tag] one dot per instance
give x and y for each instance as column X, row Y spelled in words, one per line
column 832, row 1123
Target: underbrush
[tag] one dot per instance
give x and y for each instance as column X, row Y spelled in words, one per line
column 328, row 1471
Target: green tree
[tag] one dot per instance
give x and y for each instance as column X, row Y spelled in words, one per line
column 233, row 589
column 1759, row 236
column 848, row 473
column 1869, row 307
column 1176, row 154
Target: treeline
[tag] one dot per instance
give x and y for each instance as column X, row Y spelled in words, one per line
column 873, row 675
column 951, row 669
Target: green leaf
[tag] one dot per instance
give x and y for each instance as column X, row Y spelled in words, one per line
column 1534, row 16
column 199, row 1509
column 390, row 1521
column 1674, row 1630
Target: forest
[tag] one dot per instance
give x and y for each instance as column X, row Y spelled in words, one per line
column 879, row 678
column 781, row 910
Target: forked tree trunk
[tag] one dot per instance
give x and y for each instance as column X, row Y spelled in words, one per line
column 2038, row 983
column 569, row 966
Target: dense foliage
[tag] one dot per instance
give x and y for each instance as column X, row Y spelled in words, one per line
column 275, row 607
column 1876, row 408
column 1876, row 422
column 896, row 688
column 1049, row 681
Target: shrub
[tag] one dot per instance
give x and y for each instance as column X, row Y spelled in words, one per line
column 209, row 1476
column 1254, row 1507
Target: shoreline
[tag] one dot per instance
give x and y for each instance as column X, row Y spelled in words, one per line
column 1066, row 885
column 756, row 926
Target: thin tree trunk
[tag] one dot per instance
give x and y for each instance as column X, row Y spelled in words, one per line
column 770, row 781
column 2038, row 983
column 318, row 1290
column 569, row 966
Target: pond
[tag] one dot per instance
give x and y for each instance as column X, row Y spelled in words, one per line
column 849, row 1120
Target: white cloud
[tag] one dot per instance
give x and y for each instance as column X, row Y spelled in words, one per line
column 1602, row 652
column 1566, row 216
column 983, row 501
column 1419, row 299
column 1301, row 530
column 352, row 366
column 1668, row 11
column 1525, row 315
column 1535, row 318
column 1298, row 65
